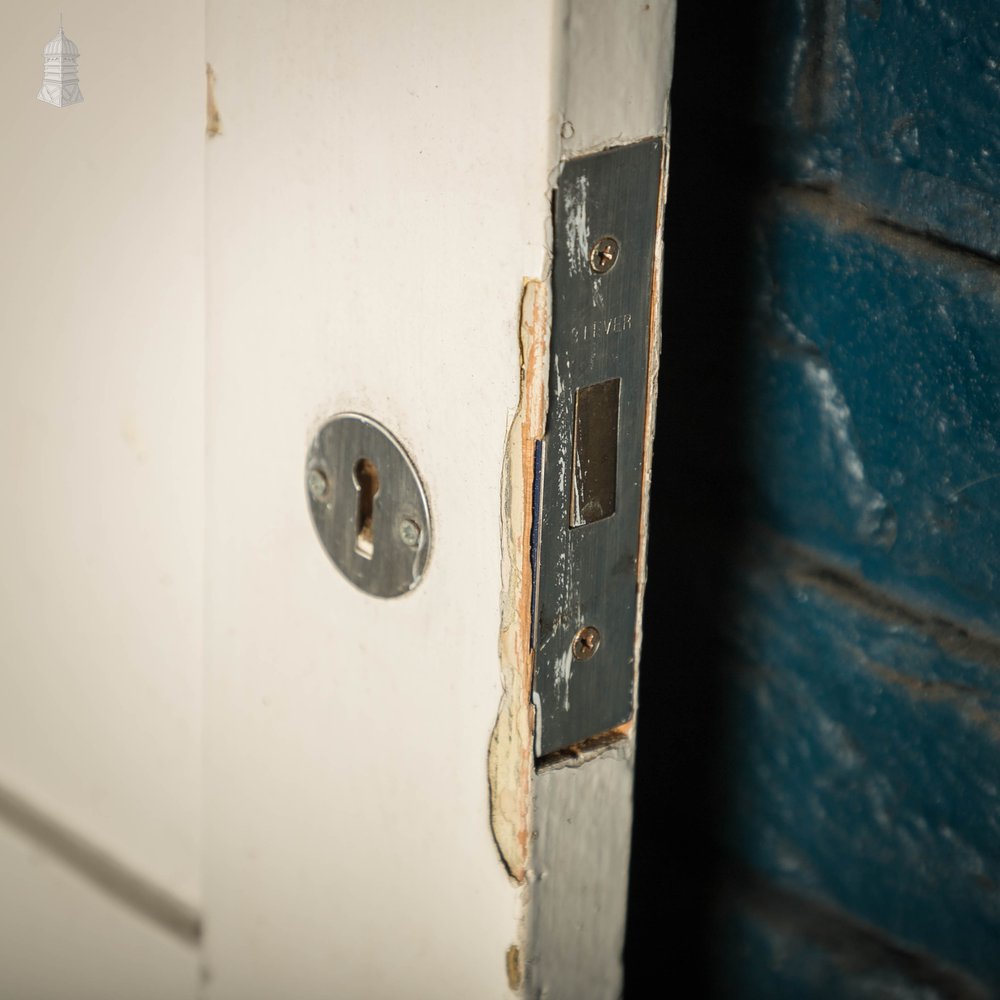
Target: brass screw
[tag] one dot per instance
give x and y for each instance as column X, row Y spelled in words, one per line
column 586, row 643
column 604, row 254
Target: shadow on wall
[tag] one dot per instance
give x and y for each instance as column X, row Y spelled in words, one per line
column 697, row 523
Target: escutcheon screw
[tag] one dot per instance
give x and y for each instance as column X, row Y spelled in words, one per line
column 318, row 484
column 409, row 532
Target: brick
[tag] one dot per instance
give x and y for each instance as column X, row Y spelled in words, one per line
column 873, row 430
column 774, row 944
column 894, row 102
column 862, row 765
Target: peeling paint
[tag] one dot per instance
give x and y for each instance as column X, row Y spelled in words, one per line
column 561, row 434
column 580, row 238
column 576, row 225
column 510, row 760
column 564, row 669
column 213, row 122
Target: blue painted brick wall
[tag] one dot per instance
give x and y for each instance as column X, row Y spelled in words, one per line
column 874, row 402
column 893, row 102
column 854, row 611
column 864, row 760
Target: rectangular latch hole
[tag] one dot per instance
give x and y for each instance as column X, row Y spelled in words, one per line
column 595, row 453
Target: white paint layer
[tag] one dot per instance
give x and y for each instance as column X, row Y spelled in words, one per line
column 376, row 196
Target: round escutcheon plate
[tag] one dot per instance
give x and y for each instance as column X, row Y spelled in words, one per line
column 368, row 505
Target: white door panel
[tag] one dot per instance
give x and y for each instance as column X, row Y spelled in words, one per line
column 182, row 312
column 376, row 196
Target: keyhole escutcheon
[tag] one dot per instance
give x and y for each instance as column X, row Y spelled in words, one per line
column 368, row 505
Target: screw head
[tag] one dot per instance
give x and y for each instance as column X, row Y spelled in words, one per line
column 586, row 643
column 409, row 532
column 318, row 484
column 604, row 254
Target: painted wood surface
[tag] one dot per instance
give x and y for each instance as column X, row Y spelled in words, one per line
column 377, row 194
column 582, row 813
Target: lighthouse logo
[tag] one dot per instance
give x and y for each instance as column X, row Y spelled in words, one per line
column 61, row 85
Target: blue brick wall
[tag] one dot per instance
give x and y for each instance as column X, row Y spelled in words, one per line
column 864, row 753
column 818, row 789
column 776, row 947
column 891, row 101
column 875, row 425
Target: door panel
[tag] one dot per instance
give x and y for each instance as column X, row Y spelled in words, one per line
column 364, row 226
column 376, row 197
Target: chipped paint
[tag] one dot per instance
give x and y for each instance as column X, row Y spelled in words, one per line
column 566, row 564
column 576, row 225
column 875, row 517
column 511, row 750
column 580, row 238
column 515, row 974
column 564, row 669
column 213, row 122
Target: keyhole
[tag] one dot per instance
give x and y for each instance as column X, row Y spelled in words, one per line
column 366, row 480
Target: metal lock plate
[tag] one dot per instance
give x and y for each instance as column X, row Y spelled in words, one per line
column 368, row 505
column 589, row 469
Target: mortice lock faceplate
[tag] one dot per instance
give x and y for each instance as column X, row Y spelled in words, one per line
column 590, row 465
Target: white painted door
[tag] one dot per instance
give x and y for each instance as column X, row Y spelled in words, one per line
column 365, row 225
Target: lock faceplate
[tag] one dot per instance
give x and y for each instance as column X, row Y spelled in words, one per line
column 590, row 468
column 368, row 505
